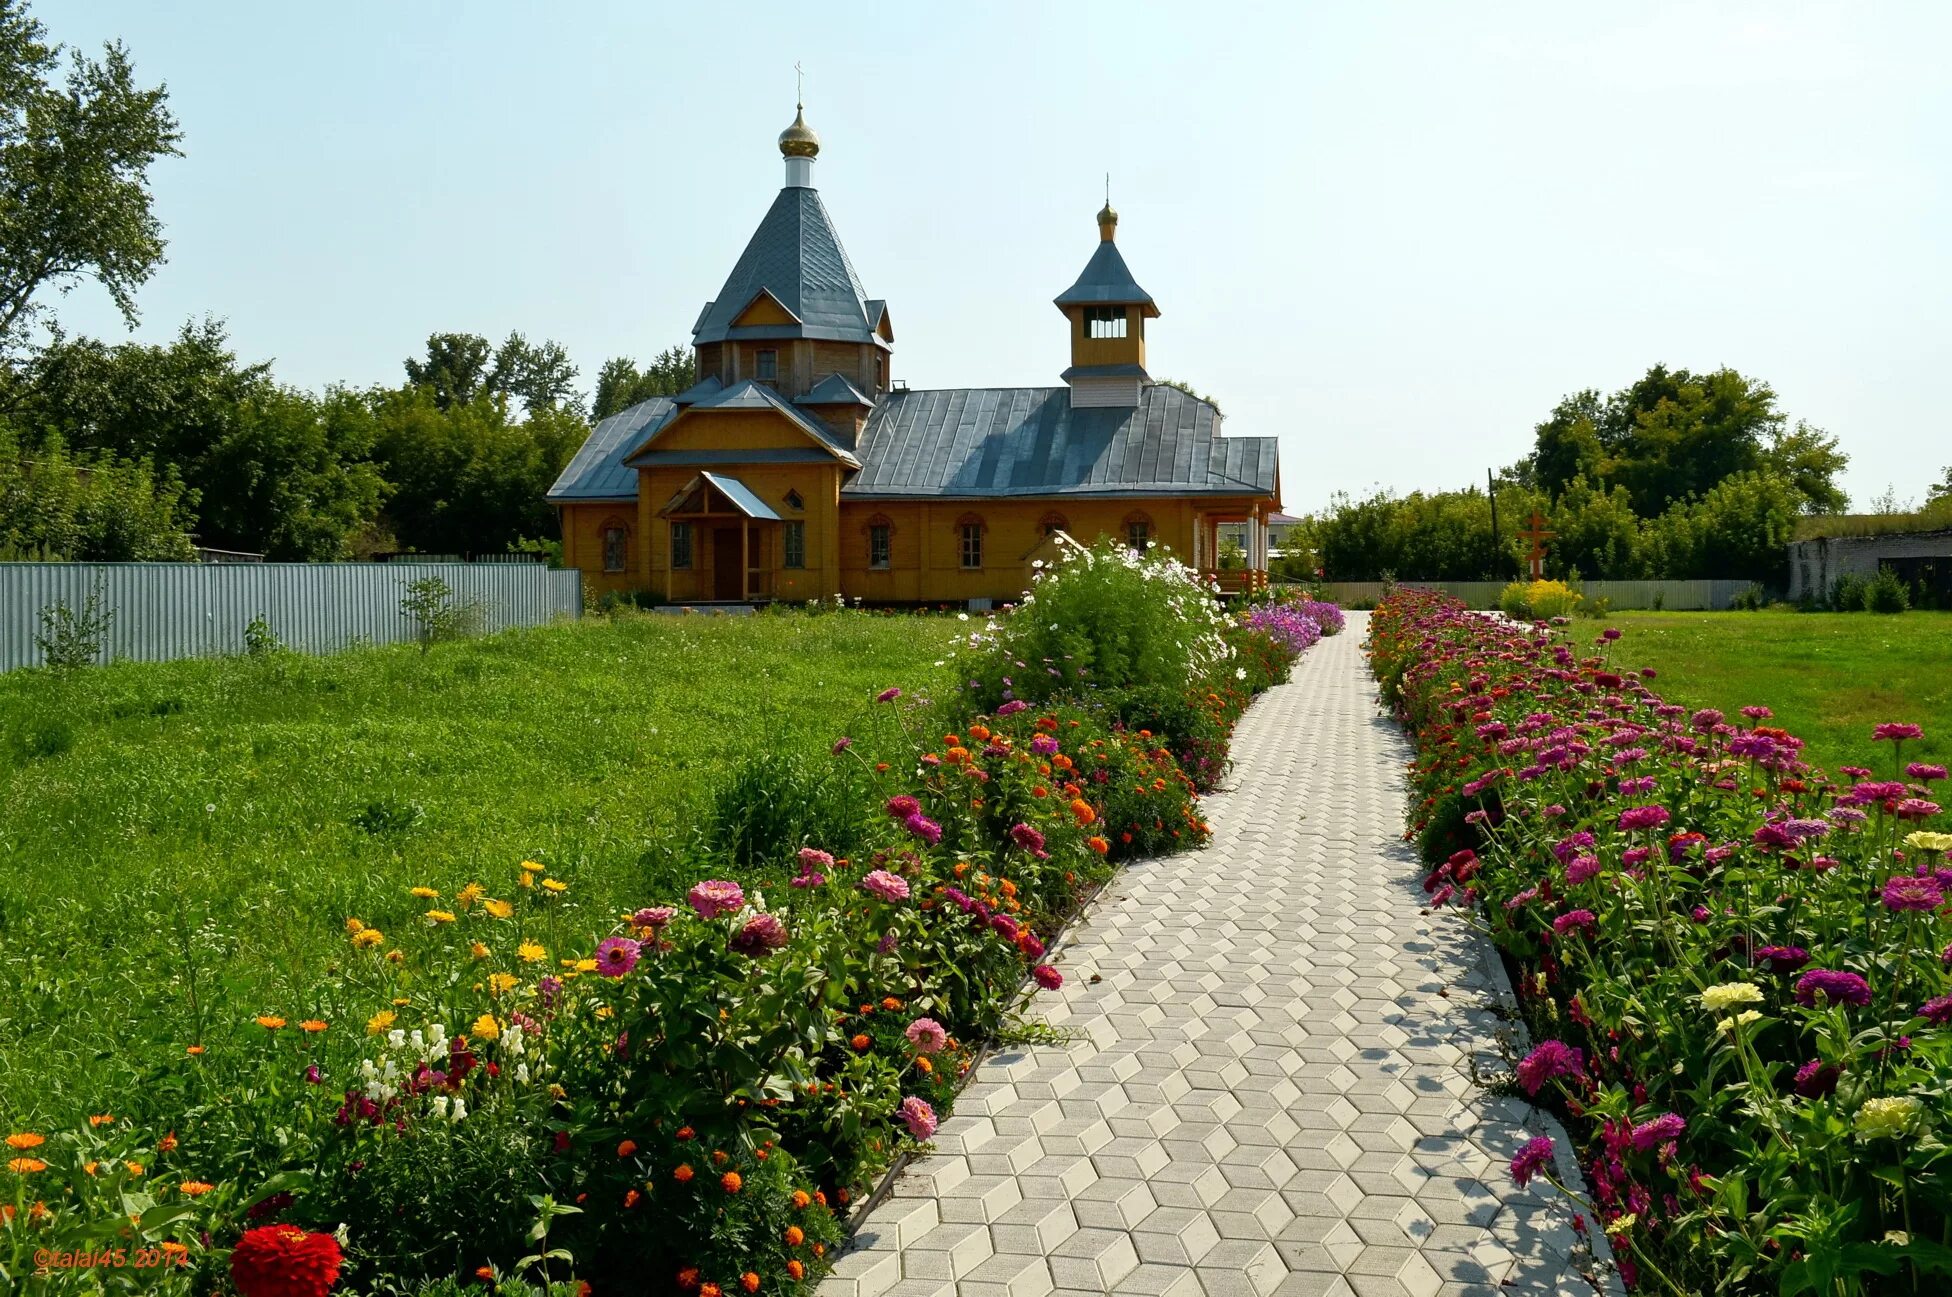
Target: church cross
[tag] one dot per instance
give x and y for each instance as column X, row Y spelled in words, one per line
column 799, row 85
column 1537, row 535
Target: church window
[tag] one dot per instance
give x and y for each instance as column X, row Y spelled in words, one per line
column 796, row 544
column 767, row 370
column 878, row 544
column 793, row 500
column 970, row 528
column 1105, row 321
column 680, row 544
column 616, row 547
column 1138, row 531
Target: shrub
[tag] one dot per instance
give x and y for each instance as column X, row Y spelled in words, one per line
column 1105, row 618
column 430, row 605
column 71, row 638
column 1538, row 600
column 1886, row 593
column 1847, row 593
column 1732, row 964
column 1753, row 599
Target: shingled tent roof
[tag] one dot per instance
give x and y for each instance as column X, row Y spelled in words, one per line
column 796, row 256
column 968, row 442
column 1107, row 281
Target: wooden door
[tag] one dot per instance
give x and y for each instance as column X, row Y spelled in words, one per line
column 728, row 563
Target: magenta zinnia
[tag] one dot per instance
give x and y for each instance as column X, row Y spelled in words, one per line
column 1644, row 817
column 1531, row 1160
column 1910, row 892
column 1665, row 1129
column 1548, row 1059
column 715, row 896
column 1047, row 977
column 1836, row 987
column 616, row 956
column 758, row 935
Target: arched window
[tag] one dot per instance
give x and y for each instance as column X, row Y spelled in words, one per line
column 1138, row 531
column 879, row 531
column 1051, row 522
column 969, row 535
column 616, row 545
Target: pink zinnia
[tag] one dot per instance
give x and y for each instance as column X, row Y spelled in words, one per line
column 887, row 695
column 1549, row 1059
column 758, row 935
column 1532, row 1159
column 1910, row 892
column 1836, row 987
column 1644, row 817
column 889, row 887
column 1047, row 977
column 653, row 916
column 1012, row 707
column 1027, row 838
column 1915, row 808
column 902, row 807
column 1896, row 732
column 616, row 956
column 1924, row 773
column 841, row 744
column 1665, row 1129
column 715, row 896
column 1572, row 920
column 927, row 1035
column 811, row 860
column 917, row 1116
column 1582, row 869
column 924, row 828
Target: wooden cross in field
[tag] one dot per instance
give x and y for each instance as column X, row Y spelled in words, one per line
column 1538, row 535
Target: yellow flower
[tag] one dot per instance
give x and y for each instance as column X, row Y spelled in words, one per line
column 586, row 965
column 26, row 1140
column 396, row 956
column 355, row 927
column 379, row 1022
column 605, row 1011
column 500, row 983
column 440, row 916
column 401, row 1002
column 367, row 938
column 470, row 894
column 554, row 885
column 270, row 1022
column 195, row 1188
column 425, row 893
column 531, row 867
column 1718, row 999
column 526, row 880
column 531, row 953
column 479, row 951
column 134, row 1168
column 498, row 909
column 1741, row 1019
column 486, row 1027
column 1888, row 1118
column 1924, row 841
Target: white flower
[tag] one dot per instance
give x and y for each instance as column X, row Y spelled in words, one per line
column 1726, row 995
column 396, row 1037
column 439, row 1105
column 522, row 1073
column 460, row 1107
column 1240, row 673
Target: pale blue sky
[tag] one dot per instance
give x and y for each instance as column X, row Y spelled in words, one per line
column 1393, row 234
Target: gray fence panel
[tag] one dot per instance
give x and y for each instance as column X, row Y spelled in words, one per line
column 164, row 611
column 1671, row 596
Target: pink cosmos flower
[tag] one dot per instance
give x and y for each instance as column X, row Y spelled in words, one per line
column 757, row 936
column 927, row 1035
column 616, row 956
column 1532, row 1159
column 889, row 887
column 715, row 896
column 917, row 1116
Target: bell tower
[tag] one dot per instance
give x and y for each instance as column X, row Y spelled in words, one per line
column 1107, row 310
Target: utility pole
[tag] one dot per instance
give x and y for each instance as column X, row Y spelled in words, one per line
column 1497, row 544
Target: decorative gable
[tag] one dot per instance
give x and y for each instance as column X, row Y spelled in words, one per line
column 764, row 308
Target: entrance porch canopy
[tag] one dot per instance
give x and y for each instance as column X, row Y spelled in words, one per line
column 699, row 496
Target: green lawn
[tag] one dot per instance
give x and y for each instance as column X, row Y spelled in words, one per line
column 1828, row 676
column 180, row 843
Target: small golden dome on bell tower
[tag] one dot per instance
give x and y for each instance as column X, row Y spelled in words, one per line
column 1107, row 222
column 798, row 140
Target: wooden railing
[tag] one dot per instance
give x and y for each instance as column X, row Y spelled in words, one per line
column 1240, row 580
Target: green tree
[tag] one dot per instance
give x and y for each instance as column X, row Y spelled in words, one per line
column 1739, row 530
column 620, row 384
column 1597, row 534
column 97, row 508
column 275, row 470
column 75, row 153
column 1568, row 443
column 455, row 370
column 1940, row 490
column 540, row 375
column 1809, row 458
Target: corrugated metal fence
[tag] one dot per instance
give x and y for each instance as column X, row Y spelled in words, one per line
column 164, row 611
column 1672, row 596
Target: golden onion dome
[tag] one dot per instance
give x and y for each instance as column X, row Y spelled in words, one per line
column 798, row 140
column 1107, row 216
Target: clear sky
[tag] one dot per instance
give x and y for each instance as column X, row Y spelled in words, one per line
column 1394, row 234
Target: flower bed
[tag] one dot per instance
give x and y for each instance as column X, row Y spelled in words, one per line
column 505, row 1092
column 1736, row 965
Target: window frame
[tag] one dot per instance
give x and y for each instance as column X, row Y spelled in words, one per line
column 1107, row 322
column 1141, row 524
column 793, row 536
column 620, row 530
column 765, row 364
column 880, row 529
column 969, row 541
column 681, row 531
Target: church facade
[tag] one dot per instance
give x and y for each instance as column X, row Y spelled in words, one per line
column 797, row 468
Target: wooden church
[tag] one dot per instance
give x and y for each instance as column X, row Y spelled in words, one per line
column 796, row 469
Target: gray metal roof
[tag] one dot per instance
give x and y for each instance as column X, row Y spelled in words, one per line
column 1104, row 371
column 796, row 256
column 1030, row 441
column 597, row 471
column 740, row 495
column 834, row 390
column 1106, row 281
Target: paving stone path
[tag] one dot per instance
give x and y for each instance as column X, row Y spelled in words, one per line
column 1268, row 1086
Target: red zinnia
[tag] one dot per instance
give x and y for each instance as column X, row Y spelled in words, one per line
column 284, row 1261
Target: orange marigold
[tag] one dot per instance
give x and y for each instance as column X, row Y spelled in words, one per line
column 891, row 1004
column 630, row 1199
column 684, row 1173
column 167, row 1144
column 100, row 1119
column 800, row 1199
column 749, row 1281
column 730, row 1182
column 860, row 1043
column 686, row 1132
column 1098, row 844
column 26, row 1165
column 795, row 1236
column 626, row 1148
column 795, row 1269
